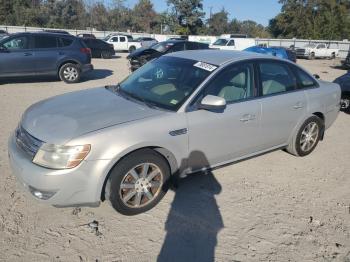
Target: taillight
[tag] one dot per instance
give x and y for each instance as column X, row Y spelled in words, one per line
column 85, row 50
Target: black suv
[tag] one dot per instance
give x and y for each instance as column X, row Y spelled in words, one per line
column 43, row 53
column 142, row 55
column 99, row 48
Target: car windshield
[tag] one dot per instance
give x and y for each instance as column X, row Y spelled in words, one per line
column 162, row 47
column 310, row 45
column 166, row 82
column 221, row 42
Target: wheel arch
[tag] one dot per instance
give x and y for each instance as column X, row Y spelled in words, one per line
column 166, row 154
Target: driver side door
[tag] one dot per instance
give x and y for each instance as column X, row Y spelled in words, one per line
column 233, row 133
column 17, row 58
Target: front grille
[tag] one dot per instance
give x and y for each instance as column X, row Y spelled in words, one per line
column 300, row 52
column 29, row 144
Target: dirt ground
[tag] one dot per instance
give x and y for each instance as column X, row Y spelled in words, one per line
column 275, row 207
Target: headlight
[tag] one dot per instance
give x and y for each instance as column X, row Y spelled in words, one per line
column 61, row 157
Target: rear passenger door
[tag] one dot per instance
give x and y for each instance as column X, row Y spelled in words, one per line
column 283, row 105
column 46, row 53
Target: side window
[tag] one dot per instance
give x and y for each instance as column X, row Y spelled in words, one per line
column 275, row 78
column 64, row 42
column 122, row 39
column 233, row 84
column 43, row 41
column 321, row 46
column 17, row 43
column 115, row 39
column 305, row 80
column 231, row 43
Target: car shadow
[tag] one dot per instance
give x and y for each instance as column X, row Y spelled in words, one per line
column 92, row 75
column 96, row 74
column 194, row 220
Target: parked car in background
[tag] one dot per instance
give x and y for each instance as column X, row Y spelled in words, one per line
column 3, row 33
column 56, row 31
column 42, row 53
column 141, row 56
column 317, row 50
column 84, row 35
column 99, row 48
column 277, row 51
column 179, row 114
column 344, row 82
column 346, row 62
column 146, row 41
column 233, row 43
column 122, row 42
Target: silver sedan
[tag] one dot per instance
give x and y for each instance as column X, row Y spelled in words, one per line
column 181, row 113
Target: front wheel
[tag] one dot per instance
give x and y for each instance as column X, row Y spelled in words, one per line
column 307, row 138
column 70, row 73
column 138, row 182
column 132, row 49
column 106, row 55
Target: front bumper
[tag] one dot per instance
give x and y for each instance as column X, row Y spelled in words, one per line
column 86, row 68
column 69, row 187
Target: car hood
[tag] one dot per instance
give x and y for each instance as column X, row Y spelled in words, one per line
column 59, row 119
column 142, row 51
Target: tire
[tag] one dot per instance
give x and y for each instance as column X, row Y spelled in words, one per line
column 333, row 56
column 70, row 73
column 345, row 104
column 312, row 56
column 106, row 55
column 311, row 138
column 129, row 191
column 132, row 49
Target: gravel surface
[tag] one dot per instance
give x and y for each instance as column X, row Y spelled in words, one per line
column 275, row 207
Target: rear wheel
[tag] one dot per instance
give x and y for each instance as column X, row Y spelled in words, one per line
column 70, row 73
column 312, row 56
column 138, row 182
column 345, row 104
column 307, row 138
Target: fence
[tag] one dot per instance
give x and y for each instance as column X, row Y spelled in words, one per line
column 343, row 46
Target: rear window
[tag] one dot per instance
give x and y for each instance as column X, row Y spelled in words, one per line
column 43, row 41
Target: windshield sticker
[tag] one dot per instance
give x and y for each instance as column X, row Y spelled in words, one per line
column 174, row 102
column 159, row 73
column 205, row 66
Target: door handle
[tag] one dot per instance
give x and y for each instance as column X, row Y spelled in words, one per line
column 298, row 105
column 28, row 54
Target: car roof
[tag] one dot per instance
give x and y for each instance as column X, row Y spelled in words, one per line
column 218, row 57
column 43, row 33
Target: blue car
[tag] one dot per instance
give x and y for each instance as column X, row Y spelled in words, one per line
column 43, row 53
column 279, row 51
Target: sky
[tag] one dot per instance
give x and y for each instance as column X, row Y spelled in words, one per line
column 260, row 11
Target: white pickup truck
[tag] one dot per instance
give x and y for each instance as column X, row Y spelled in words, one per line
column 317, row 50
column 232, row 43
column 122, row 42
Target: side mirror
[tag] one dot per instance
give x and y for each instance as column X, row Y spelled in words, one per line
column 316, row 76
column 212, row 103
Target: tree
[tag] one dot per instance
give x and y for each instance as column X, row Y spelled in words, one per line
column 189, row 14
column 218, row 23
column 144, row 16
column 313, row 19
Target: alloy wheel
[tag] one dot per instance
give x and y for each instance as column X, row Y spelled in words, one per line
column 141, row 185
column 309, row 136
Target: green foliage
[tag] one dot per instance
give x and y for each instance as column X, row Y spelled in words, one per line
column 189, row 14
column 312, row 19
